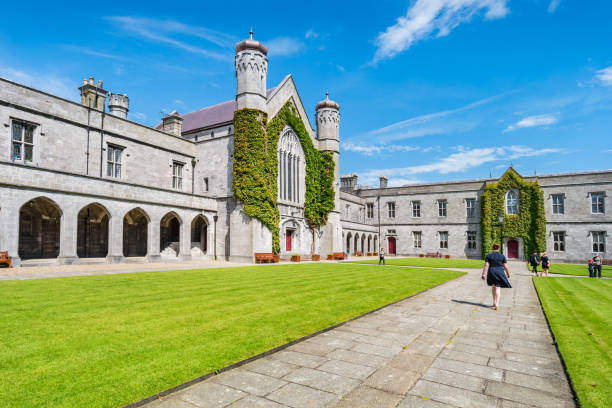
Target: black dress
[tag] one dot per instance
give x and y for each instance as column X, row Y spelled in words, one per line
column 545, row 262
column 497, row 275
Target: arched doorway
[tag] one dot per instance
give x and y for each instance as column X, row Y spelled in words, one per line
column 170, row 234
column 199, row 234
column 92, row 231
column 39, row 229
column 356, row 243
column 135, row 233
column 370, row 243
column 392, row 242
column 348, row 243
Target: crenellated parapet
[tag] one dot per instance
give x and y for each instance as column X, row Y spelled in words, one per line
column 118, row 104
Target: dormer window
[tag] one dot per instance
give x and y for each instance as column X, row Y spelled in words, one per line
column 512, row 205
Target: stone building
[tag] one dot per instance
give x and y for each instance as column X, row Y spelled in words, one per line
column 81, row 182
column 445, row 217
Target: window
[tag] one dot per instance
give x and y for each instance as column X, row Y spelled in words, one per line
column 348, row 211
column 370, row 210
column 205, row 184
column 443, row 239
column 599, row 241
column 512, row 202
column 470, row 207
column 557, row 203
column 442, row 208
column 416, row 236
column 113, row 161
column 291, row 167
column 597, row 203
column 416, row 209
column 23, row 141
column 559, row 241
column 391, row 231
column 391, row 209
column 471, row 239
column 177, row 175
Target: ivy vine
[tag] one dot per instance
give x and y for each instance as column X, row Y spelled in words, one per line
column 256, row 169
column 529, row 223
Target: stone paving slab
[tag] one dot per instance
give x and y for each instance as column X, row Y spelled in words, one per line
column 443, row 348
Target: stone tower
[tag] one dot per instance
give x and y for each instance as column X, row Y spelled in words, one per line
column 93, row 95
column 118, row 105
column 328, row 135
column 251, row 72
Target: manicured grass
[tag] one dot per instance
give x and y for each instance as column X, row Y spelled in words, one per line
column 429, row 262
column 580, row 269
column 106, row 341
column 580, row 314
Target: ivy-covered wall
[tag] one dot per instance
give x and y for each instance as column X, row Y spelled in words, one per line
column 256, row 168
column 529, row 223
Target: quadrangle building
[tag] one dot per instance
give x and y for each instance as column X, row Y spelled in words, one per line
column 80, row 182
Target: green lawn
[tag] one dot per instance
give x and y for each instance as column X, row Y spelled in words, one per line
column 105, row 341
column 580, row 314
column 573, row 269
column 429, row 262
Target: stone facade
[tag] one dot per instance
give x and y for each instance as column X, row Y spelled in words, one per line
column 425, row 213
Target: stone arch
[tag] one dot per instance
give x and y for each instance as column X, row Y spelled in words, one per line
column 92, row 231
column 290, row 233
column 291, row 167
column 349, row 236
column 199, row 234
column 363, row 237
column 39, row 229
column 170, row 234
column 356, row 243
column 370, row 243
column 135, row 232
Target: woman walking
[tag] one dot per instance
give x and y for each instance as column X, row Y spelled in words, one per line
column 496, row 272
column 545, row 263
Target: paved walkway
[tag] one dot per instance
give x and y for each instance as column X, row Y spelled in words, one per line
column 443, row 348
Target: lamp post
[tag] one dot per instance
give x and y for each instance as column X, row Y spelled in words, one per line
column 215, row 218
column 500, row 218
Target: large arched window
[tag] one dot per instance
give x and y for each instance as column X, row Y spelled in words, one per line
column 291, row 168
column 512, row 204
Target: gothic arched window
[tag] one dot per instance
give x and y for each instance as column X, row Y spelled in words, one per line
column 291, row 167
column 512, row 204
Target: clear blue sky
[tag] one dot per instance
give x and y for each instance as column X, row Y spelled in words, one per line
column 429, row 89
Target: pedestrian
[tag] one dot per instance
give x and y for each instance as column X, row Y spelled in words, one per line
column 545, row 263
column 534, row 261
column 591, row 268
column 597, row 267
column 381, row 256
column 497, row 273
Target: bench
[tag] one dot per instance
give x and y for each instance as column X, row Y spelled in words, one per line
column 264, row 257
column 433, row 255
column 606, row 261
column 338, row 256
column 5, row 259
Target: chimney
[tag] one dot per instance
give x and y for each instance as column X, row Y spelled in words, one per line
column 93, row 95
column 118, row 105
column 348, row 182
column 173, row 123
column 383, row 182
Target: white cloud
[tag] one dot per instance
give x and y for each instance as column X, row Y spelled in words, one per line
column 340, row 68
column 533, row 121
column 372, row 149
column 162, row 30
column 433, row 18
column 44, row 81
column 604, row 76
column 89, row 51
column 553, row 5
column 461, row 161
column 284, row 46
column 311, row 34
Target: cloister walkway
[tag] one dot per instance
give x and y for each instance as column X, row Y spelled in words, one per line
column 443, row 348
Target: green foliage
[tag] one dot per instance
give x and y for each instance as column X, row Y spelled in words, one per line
column 256, row 168
column 529, row 223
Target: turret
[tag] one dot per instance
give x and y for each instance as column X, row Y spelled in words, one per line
column 93, row 95
column 118, row 105
column 251, row 72
column 328, row 124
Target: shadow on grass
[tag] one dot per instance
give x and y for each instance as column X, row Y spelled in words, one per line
column 465, row 302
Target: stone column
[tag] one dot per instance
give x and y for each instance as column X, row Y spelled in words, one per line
column 68, row 237
column 9, row 232
column 185, row 245
column 115, row 238
column 153, row 231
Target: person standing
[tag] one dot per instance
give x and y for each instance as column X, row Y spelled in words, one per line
column 534, row 261
column 497, row 273
column 381, row 256
column 597, row 266
column 591, row 267
column 545, row 263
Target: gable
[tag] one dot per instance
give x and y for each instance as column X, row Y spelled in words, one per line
column 287, row 91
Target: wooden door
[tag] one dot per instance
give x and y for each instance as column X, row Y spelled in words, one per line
column 513, row 251
column 391, row 245
column 288, row 234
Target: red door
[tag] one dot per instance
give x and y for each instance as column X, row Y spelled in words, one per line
column 513, row 251
column 288, row 234
column 391, row 245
